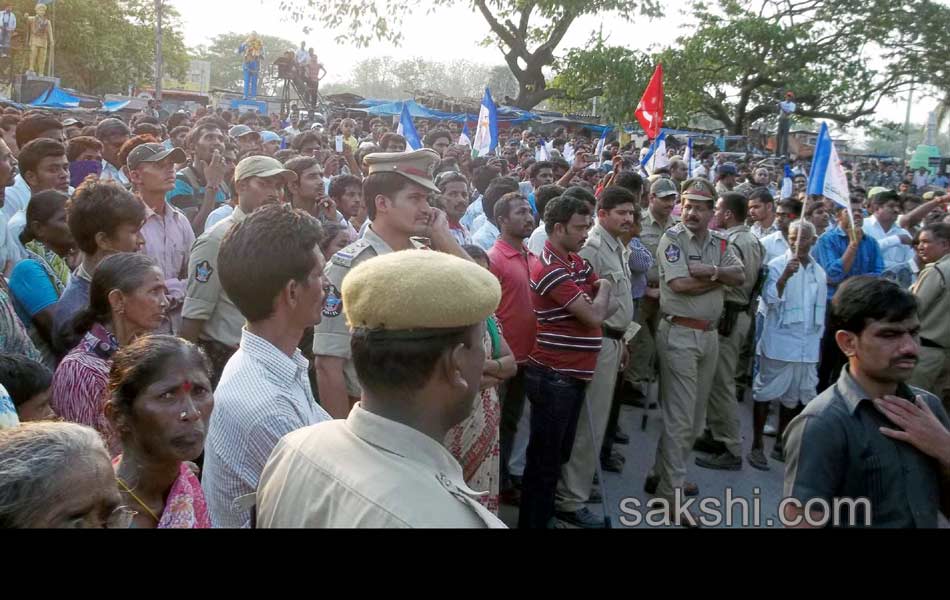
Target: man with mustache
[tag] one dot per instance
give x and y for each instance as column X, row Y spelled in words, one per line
column 209, row 317
column 932, row 291
column 608, row 255
column 694, row 266
column 724, row 439
column 843, row 444
column 396, row 193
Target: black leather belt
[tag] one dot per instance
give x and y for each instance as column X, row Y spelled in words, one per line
column 930, row 344
column 614, row 334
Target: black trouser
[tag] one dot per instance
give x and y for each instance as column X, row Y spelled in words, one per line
column 512, row 405
column 612, row 422
column 556, row 402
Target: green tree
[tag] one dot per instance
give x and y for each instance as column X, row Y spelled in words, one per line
column 527, row 32
column 613, row 74
column 227, row 64
column 107, row 46
column 840, row 57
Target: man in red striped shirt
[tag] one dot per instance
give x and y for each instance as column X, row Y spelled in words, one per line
column 571, row 304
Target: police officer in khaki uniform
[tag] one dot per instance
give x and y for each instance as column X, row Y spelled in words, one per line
column 722, row 416
column 657, row 218
column 209, row 318
column 932, row 291
column 418, row 321
column 397, row 192
column 610, row 259
column 694, row 265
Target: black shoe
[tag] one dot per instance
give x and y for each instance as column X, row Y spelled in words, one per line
column 722, row 462
column 618, row 456
column 612, row 464
column 621, row 438
column 652, row 482
column 582, row 518
column 778, row 453
column 705, row 443
column 594, row 497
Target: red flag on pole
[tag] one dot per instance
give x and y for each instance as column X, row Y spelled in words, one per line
column 650, row 110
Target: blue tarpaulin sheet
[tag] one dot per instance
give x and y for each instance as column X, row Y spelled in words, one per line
column 56, row 98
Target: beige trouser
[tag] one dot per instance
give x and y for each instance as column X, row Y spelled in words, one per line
column 38, row 59
column 641, row 367
column 687, row 360
column 577, row 475
column 933, row 373
column 722, row 415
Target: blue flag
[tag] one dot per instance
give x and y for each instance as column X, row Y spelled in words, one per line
column 407, row 130
column 486, row 135
column 656, row 158
column 827, row 175
column 788, row 187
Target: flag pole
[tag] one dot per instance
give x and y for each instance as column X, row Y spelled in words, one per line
column 802, row 219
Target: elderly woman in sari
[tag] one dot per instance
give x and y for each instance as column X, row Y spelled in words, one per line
column 475, row 441
column 57, row 476
column 160, row 401
column 126, row 300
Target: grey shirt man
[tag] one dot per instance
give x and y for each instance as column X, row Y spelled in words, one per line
column 834, row 449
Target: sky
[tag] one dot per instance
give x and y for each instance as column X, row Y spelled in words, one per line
column 448, row 34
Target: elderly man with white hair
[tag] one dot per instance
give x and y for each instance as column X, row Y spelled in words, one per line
column 795, row 298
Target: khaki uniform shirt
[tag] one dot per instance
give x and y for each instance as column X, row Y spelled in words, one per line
column 650, row 234
column 610, row 260
column 366, row 472
column 331, row 336
column 677, row 249
column 751, row 253
column 933, row 300
column 205, row 299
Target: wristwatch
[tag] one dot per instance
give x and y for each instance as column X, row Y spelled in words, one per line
column 715, row 276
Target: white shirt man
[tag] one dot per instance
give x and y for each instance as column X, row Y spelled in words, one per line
column 898, row 256
column 775, row 245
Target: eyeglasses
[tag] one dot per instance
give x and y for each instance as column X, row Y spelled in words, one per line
column 121, row 518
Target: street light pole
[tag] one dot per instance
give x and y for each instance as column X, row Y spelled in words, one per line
column 159, row 58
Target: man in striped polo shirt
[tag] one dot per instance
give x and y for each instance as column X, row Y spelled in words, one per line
column 571, row 304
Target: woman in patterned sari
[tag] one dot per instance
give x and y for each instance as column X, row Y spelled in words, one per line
column 159, row 404
column 38, row 281
column 126, row 300
column 475, row 441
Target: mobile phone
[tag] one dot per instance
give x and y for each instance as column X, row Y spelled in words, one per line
column 339, row 144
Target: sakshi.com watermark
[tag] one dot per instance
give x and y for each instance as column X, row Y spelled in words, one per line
column 718, row 512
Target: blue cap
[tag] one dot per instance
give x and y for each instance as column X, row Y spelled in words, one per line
column 269, row 136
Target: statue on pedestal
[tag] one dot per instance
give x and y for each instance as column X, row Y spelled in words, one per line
column 41, row 40
column 253, row 50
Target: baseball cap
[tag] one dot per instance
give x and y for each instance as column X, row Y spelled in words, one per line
column 262, row 166
column 153, row 153
column 663, row 187
column 269, row 136
column 239, row 131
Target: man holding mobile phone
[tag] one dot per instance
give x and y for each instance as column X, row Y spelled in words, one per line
column 396, row 193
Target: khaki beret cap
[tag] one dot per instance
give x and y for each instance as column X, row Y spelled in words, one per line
column 418, row 290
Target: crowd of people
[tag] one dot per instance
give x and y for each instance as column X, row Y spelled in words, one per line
column 220, row 320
